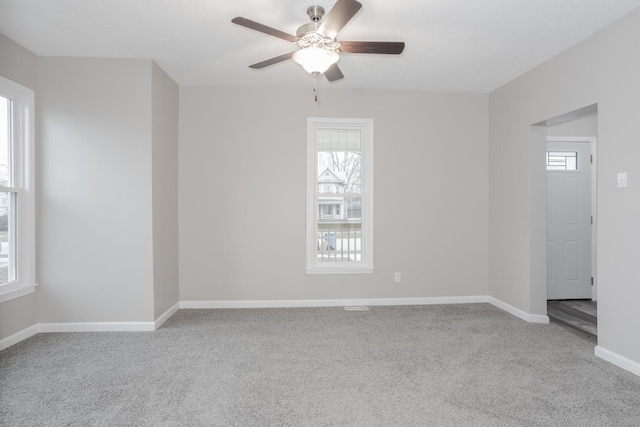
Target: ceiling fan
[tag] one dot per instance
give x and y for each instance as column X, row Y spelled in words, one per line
column 319, row 49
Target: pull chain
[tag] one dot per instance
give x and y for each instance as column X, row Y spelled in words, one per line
column 315, row 86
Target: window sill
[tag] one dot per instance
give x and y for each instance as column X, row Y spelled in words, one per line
column 16, row 292
column 330, row 269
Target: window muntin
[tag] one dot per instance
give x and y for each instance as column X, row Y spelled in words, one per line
column 17, row 212
column 562, row 161
column 340, row 196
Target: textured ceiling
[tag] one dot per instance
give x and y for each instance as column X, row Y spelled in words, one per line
column 451, row 45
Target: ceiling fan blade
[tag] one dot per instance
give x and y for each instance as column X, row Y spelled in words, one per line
column 338, row 16
column 389, row 48
column 333, row 73
column 264, row 29
column 272, row 61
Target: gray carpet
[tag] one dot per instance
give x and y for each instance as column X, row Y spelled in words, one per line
column 452, row 365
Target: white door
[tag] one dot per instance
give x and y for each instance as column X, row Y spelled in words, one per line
column 569, row 220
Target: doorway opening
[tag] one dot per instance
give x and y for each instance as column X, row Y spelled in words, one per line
column 571, row 219
column 569, row 292
column 571, row 237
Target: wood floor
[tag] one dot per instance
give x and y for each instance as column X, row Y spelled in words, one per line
column 579, row 316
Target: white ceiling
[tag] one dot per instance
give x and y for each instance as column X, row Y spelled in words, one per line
column 451, row 45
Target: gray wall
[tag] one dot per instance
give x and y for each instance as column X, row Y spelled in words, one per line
column 243, row 182
column 95, row 203
column 165, row 190
column 604, row 69
column 19, row 65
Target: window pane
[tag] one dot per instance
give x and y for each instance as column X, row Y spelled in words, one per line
column 7, row 237
column 562, row 160
column 339, row 171
column 5, row 137
column 339, row 236
column 339, row 159
column 338, row 140
column 354, row 208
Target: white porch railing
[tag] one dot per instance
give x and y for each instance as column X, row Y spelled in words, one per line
column 340, row 241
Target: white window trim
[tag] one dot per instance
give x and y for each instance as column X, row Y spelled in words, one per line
column 366, row 265
column 24, row 177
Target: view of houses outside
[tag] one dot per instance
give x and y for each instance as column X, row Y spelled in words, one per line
column 339, row 205
column 5, row 197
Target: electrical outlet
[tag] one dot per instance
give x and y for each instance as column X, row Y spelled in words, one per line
column 397, row 277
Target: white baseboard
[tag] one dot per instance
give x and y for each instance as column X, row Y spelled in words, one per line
column 152, row 326
column 109, row 326
column 616, row 359
column 166, row 315
column 531, row 318
column 98, row 327
column 19, row 336
column 85, row 327
column 331, row 302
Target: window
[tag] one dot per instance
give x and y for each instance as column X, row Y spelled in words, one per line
column 17, row 236
column 339, row 220
column 562, row 161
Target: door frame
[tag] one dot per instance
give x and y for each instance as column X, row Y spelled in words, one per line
column 593, row 141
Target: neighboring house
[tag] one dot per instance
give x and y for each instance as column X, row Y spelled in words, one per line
column 332, row 207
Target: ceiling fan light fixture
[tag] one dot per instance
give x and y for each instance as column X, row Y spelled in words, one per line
column 318, row 49
column 315, row 60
